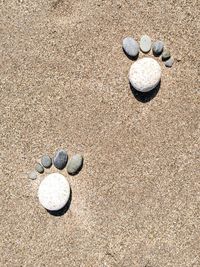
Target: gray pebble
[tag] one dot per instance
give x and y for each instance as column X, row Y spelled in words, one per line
column 39, row 168
column 157, row 47
column 74, row 165
column 46, row 161
column 130, row 46
column 145, row 43
column 169, row 62
column 32, row 175
column 166, row 54
column 60, row 159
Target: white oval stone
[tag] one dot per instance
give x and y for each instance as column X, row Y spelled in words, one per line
column 145, row 74
column 145, row 43
column 54, row 192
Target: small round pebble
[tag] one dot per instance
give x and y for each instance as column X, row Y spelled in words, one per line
column 130, row 46
column 54, row 192
column 166, row 54
column 46, row 161
column 75, row 163
column 145, row 74
column 145, row 43
column 60, row 159
column 169, row 62
column 39, row 168
column 32, row 175
column 157, row 47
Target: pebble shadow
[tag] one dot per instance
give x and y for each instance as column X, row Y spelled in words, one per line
column 131, row 58
column 145, row 97
column 62, row 211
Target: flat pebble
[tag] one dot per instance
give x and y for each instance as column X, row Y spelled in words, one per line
column 60, row 159
column 32, row 175
column 75, row 163
column 145, row 43
column 145, row 74
column 39, row 168
column 130, row 46
column 46, row 161
column 166, row 54
column 157, row 47
column 169, row 62
column 54, row 192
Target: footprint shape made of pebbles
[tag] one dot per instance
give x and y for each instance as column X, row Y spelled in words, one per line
column 145, row 73
column 54, row 191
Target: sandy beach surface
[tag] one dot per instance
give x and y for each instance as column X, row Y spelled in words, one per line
column 63, row 83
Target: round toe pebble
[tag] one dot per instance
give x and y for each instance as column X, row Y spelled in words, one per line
column 157, row 47
column 169, row 62
column 32, row 175
column 145, row 43
column 39, row 168
column 46, row 161
column 54, row 192
column 166, row 54
column 145, row 74
column 130, row 46
column 60, row 159
column 75, row 163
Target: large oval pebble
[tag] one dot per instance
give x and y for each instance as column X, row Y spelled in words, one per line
column 54, row 192
column 130, row 46
column 60, row 159
column 74, row 164
column 145, row 43
column 145, row 74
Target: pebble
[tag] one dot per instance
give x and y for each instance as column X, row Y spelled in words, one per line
column 54, row 192
column 169, row 62
column 32, row 175
column 145, row 74
column 145, row 43
column 60, row 159
column 166, row 54
column 39, row 168
column 75, row 163
column 46, row 161
column 130, row 46
column 158, row 47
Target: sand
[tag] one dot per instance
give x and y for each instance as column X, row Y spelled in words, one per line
column 64, row 83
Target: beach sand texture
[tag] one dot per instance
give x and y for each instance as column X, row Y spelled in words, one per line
column 64, row 83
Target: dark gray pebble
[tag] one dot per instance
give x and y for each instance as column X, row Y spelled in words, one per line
column 157, row 47
column 130, row 46
column 60, row 159
column 74, row 165
column 39, row 168
column 169, row 62
column 46, row 161
column 166, row 54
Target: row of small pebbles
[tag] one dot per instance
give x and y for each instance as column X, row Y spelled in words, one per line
column 131, row 48
column 60, row 160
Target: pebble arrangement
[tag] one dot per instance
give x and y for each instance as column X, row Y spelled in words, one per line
column 145, row 73
column 54, row 190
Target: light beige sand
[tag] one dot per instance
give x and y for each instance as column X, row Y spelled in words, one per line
column 64, row 84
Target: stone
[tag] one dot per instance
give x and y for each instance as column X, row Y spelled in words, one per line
column 74, row 164
column 130, row 46
column 157, row 47
column 166, row 54
column 60, row 159
column 169, row 62
column 145, row 43
column 54, row 192
column 145, row 74
column 46, row 161
column 32, row 175
column 39, row 168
